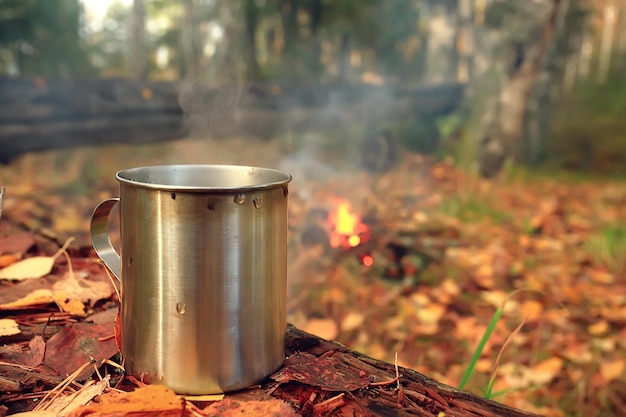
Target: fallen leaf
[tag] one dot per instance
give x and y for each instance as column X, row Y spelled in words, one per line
column 9, row 327
column 430, row 314
column 546, row 371
column 33, row 357
column 35, row 267
column 77, row 344
column 352, row 321
column 68, row 305
column 599, row 328
column 602, row 277
column 64, row 404
column 324, row 328
column 233, row 408
column 74, row 290
column 16, row 243
column 612, row 370
column 8, row 259
column 532, row 310
column 37, row 297
column 146, row 401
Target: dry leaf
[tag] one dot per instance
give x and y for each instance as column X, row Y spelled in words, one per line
column 145, row 401
column 324, row 328
column 232, row 408
column 33, row 357
column 72, row 291
column 8, row 259
column 532, row 310
column 612, row 370
column 546, row 371
column 63, row 405
column 430, row 314
column 37, row 297
column 9, row 327
column 599, row 328
column 35, row 267
column 352, row 321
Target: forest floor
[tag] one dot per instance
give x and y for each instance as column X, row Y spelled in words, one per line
column 442, row 251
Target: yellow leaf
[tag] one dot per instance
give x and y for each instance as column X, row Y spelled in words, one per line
column 324, row 328
column 35, row 267
column 599, row 328
column 532, row 310
column 352, row 321
column 612, row 370
column 207, row 397
column 545, row 371
column 602, row 277
column 8, row 327
column 430, row 314
column 147, row 400
column 68, row 305
column 37, row 297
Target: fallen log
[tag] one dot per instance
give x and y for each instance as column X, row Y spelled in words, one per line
column 321, row 376
column 42, row 114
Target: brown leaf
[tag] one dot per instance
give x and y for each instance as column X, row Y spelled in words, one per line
column 16, row 243
column 77, row 344
column 232, row 408
column 324, row 328
column 146, row 401
column 37, row 297
column 33, row 357
column 72, row 291
column 612, row 370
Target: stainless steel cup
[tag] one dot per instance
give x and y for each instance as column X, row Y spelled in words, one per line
column 202, row 267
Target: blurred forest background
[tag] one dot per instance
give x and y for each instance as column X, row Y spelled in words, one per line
column 540, row 113
column 545, row 84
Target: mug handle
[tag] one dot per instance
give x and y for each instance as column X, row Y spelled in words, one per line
column 100, row 236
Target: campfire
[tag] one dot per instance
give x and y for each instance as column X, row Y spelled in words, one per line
column 347, row 229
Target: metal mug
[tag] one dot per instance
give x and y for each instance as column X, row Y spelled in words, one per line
column 202, row 266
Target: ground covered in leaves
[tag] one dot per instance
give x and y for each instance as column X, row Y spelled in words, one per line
column 443, row 252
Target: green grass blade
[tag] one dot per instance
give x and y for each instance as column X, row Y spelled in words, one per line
column 481, row 346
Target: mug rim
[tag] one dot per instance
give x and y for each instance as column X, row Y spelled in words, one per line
column 125, row 176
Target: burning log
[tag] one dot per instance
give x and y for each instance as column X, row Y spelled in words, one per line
column 400, row 256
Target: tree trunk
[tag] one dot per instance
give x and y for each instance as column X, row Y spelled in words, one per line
column 188, row 41
column 251, row 18
column 506, row 126
column 138, row 59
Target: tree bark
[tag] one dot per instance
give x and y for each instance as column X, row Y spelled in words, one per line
column 138, row 59
column 188, row 39
column 251, row 18
column 506, row 125
column 321, row 377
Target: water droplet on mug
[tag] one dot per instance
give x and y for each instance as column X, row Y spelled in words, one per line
column 130, row 261
column 257, row 202
column 285, row 190
column 173, row 196
column 240, row 198
column 181, row 308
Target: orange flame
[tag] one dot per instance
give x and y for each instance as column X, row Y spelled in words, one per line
column 347, row 229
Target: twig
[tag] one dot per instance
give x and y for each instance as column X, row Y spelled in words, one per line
column 2, row 190
column 24, row 367
column 62, row 385
column 329, row 405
